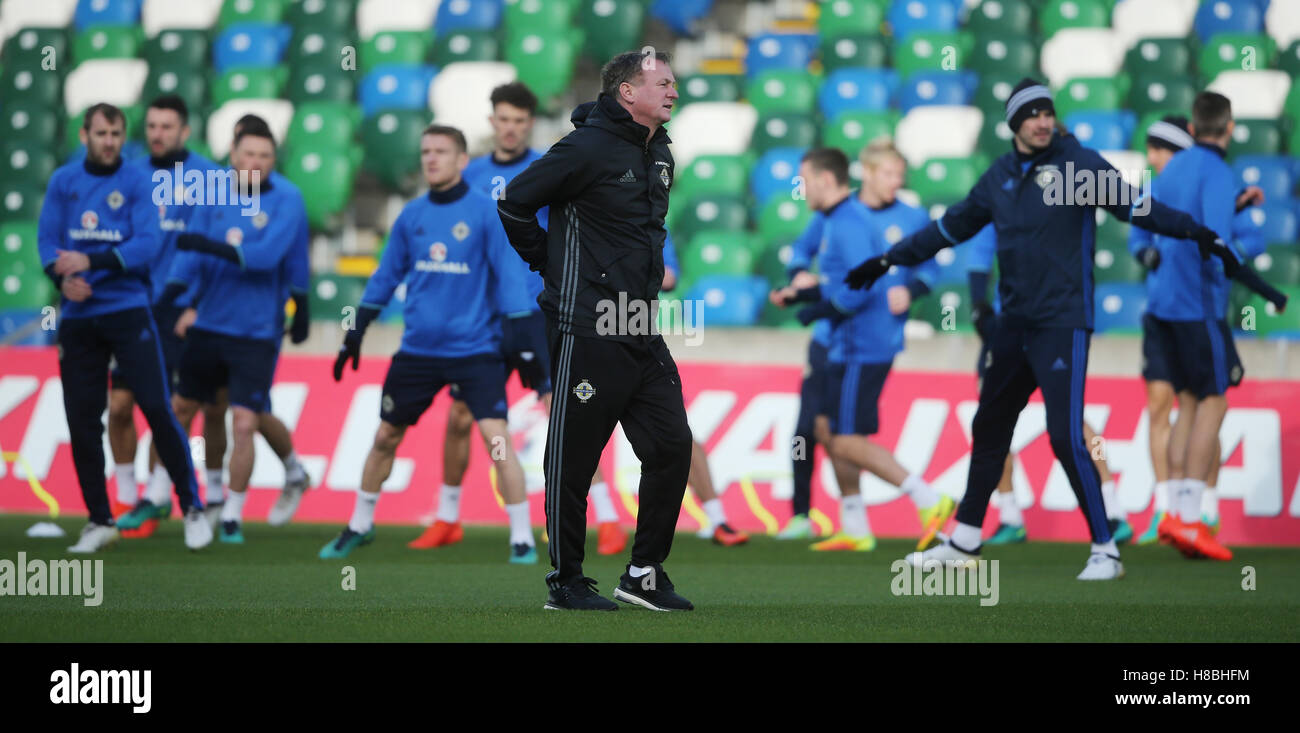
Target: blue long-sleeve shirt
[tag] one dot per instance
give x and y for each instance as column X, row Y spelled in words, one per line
column 486, row 175
column 169, row 182
column 460, row 271
column 97, row 213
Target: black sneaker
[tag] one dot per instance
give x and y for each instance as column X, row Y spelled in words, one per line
column 653, row 591
column 578, row 594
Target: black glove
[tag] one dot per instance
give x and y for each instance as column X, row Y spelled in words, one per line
column 1205, row 241
column 1149, row 257
column 1230, row 263
column 191, row 242
column 805, row 295
column 351, row 348
column 982, row 316
column 816, row 311
column 866, row 274
column 301, row 319
column 518, row 351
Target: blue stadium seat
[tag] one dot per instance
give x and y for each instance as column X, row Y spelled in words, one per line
column 1273, row 173
column 906, row 16
column 1276, row 220
column 778, row 51
column 730, row 300
column 680, row 15
column 467, row 15
column 860, row 90
column 1103, row 129
column 396, row 87
column 774, row 173
column 938, row 87
column 1119, row 307
column 251, row 45
column 1229, row 16
column 106, row 12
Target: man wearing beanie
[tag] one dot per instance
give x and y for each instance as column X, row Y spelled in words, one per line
column 1045, row 255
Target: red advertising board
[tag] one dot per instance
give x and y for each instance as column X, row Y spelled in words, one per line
column 743, row 414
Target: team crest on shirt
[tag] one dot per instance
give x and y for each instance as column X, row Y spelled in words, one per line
column 893, row 233
column 438, row 252
column 584, row 391
column 115, row 200
column 1046, row 175
column 260, row 219
column 89, row 220
column 663, row 176
column 234, row 236
column 460, row 231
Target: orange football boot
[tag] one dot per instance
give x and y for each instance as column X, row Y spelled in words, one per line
column 724, row 535
column 1169, row 526
column 610, row 538
column 439, row 535
column 1196, row 540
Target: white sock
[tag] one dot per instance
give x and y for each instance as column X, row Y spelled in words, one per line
column 853, row 516
column 1162, row 497
column 1210, row 504
column 1110, row 501
column 127, row 491
column 1109, row 548
column 599, row 495
column 966, row 537
column 448, row 505
column 713, row 508
column 1009, row 510
column 922, row 494
column 293, row 470
column 213, row 491
column 636, row 572
column 521, row 532
column 1189, row 505
column 159, row 490
column 363, row 512
column 233, row 509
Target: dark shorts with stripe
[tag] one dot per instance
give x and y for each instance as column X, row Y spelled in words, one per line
column 212, row 360
column 812, row 390
column 168, row 341
column 851, row 397
column 1194, row 356
column 413, row 381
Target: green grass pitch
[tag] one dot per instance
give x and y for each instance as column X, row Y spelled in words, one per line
column 275, row 589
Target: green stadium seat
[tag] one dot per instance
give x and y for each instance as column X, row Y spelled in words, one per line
column 945, row 180
column 538, row 16
column 783, row 90
column 1159, row 93
column 719, row 252
column 324, row 83
column 544, row 61
column 23, row 120
column 391, row 140
column 611, row 27
column 24, row 288
column 322, row 15
column 712, row 211
column 409, row 48
column 1279, row 264
column 249, row 83
column 946, row 308
column 851, row 131
column 996, row 17
column 1236, row 52
column 772, row 263
column 1271, row 324
column 465, row 45
column 1116, row 265
column 840, row 17
column 31, row 85
column 1112, row 233
column 782, row 220
column 856, row 50
column 251, row 11
column 1290, row 108
column 995, row 137
column 1059, row 14
column 1006, row 55
column 712, row 174
column 1159, row 56
column 1256, row 137
column 107, row 42
column 187, row 83
column 27, row 161
column 931, row 51
column 708, row 88
column 329, row 294
column 1091, row 93
column 176, row 49
column 784, row 131
column 315, row 47
column 323, row 126
column 27, row 47
column 325, row 177
column 992, row 92
column 1289, row 61
column 19, row 201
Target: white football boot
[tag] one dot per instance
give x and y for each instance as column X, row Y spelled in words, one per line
column 94, row 537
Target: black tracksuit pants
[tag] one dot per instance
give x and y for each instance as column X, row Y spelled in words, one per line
column 600, row 382
column 85, row 346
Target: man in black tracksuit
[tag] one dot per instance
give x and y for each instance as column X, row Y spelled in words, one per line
column 602, row 261
column 1041, row 198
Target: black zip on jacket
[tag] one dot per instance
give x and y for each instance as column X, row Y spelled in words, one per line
column 608, row 192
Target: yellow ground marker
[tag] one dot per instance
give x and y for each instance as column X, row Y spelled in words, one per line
column 756, row 506
column 824, row 525
column 692, row 508
column 492, row 479
column 37, row 489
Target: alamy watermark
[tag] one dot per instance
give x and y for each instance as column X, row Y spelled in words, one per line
column 193, row 187
column 935, row 578
column 637, row 317
column 1087, row 187
column 53, row 578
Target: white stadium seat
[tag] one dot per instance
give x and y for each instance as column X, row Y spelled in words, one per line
column 458, row 97
column 938, row 131
column 1075, row 52
column 1134, row 19
column 1283, row 23
column 116, row 81
column 161, row 15
column 16, row 14
column 395, row 15
column 278, row 113
column 695, row 130
column 1254, row 94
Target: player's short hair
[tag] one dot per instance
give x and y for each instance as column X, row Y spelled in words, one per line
column 254, row 130
column 455, row 134
column 627, row 67
column 174, row 103
column 251, row 121
column 829, row 159
column 515, row 94
column 879, row 149
column 110, row 112
column 1211, row 113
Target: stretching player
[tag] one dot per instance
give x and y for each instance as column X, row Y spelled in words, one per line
column 867, row 332
column 450, row 250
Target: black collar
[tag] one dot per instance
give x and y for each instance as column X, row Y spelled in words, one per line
column 455, row 193
column 510, row 161
column 1212, row 148
column 170, row 159
column 1051, row 146
column 611, row 115
column 95, row 169
column 263, row 185
column 831, row 210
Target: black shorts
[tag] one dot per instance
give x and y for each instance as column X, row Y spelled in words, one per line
column 168, row 341
column 413, row 381
column 1194, row 356
column 851, row 397
column 212, row 360
column 812, row 389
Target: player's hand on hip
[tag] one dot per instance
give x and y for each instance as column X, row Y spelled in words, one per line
column 70, row 262
column 781, row 297
column 900, row 299
column 803, row 279
column 1250, row 196
column 866, row 274
column 76, row 289
column 184, row 321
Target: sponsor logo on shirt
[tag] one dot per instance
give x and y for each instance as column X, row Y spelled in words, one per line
column 90, row 229
column 437, row 262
